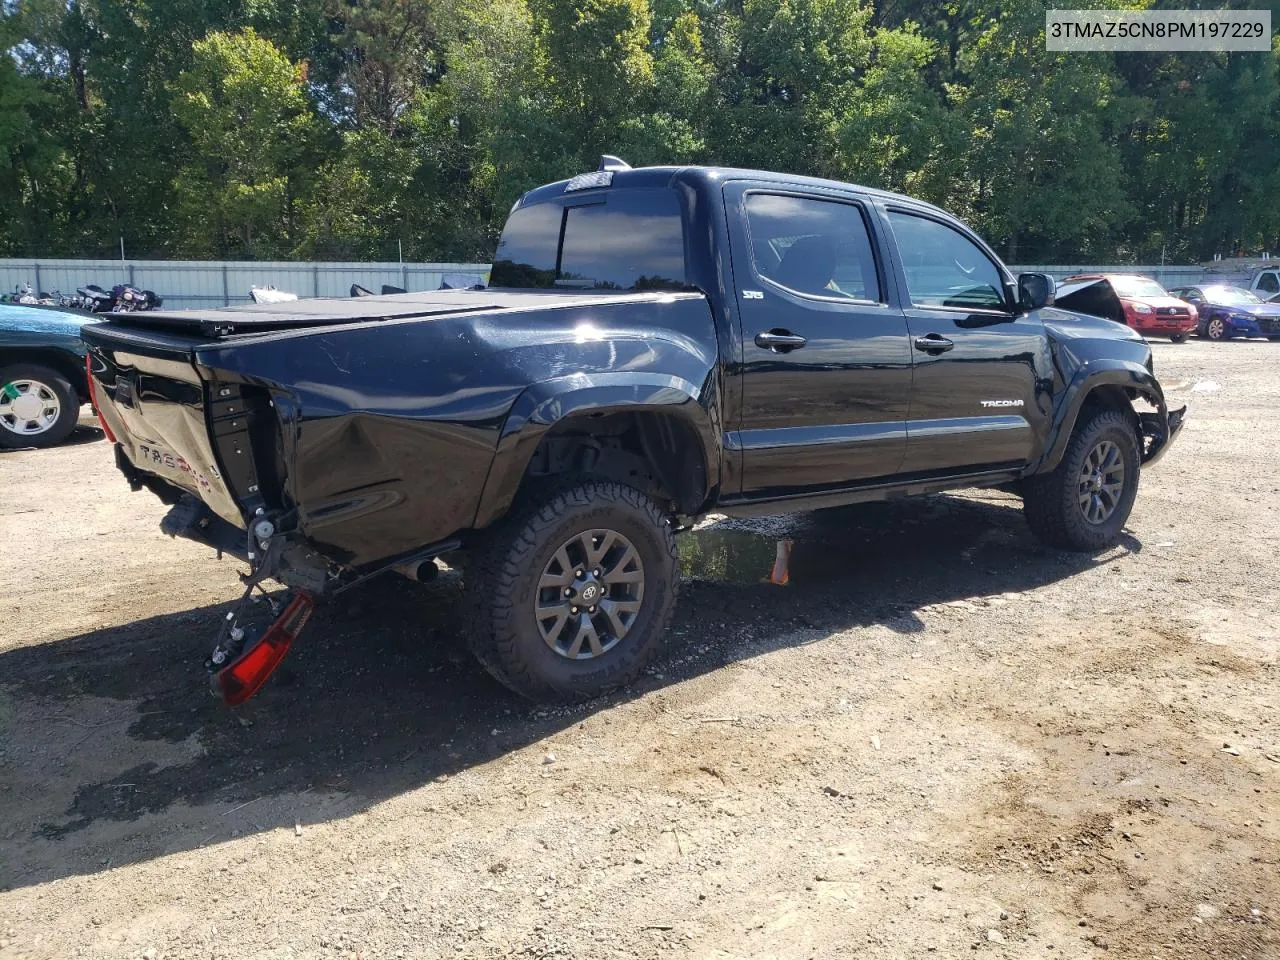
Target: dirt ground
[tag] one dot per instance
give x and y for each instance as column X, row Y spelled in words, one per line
column 942, row 739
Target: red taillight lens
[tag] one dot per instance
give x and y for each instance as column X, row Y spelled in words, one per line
column 243, row 678
column 93, row 398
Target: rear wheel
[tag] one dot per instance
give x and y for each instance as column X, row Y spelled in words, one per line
column 38, row 406
column 572, row 596
column 1083, row 503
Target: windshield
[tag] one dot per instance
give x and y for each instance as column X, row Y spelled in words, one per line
column 1236, row 296
column 1137, row 287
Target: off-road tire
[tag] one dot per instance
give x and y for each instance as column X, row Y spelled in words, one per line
column 502, row 577
column 68, row 406
column 1051, row 500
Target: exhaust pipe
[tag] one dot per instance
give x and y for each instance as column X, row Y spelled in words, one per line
column 420, row 571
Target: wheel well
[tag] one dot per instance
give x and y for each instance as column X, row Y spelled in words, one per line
column 1109, row 396
column 67, row 364
column 655, row 452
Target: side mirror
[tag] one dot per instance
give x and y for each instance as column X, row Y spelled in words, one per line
column 1035, row 290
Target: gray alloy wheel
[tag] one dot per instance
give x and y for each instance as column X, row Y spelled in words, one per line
column 572, row 592
column 1217, row 329
column 1101, row 482
column 1083, row 503
column 589, row 594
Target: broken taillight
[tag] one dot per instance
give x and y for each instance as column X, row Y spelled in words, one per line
column 93, row 398
column 245, row 676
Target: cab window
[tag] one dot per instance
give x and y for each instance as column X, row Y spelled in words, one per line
column 819, row 248
column 624, row 240
column 944, row 268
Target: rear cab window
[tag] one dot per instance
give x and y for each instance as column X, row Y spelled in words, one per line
column 612, row 240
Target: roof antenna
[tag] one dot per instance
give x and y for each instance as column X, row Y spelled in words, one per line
column 608, row 162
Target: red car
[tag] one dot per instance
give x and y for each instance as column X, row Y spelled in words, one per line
column 1138, row 302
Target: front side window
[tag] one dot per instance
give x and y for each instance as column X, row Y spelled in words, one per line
column 945, row 268
column 815, row 247
column 1269, row 282
column 631, row 240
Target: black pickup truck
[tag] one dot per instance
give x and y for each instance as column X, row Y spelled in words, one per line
column 655, row 344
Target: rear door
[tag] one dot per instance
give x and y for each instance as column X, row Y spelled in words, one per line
column 826, row 365
column 981, row 390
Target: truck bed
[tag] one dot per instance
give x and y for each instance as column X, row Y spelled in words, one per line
column 261, row 317
column 371, row 422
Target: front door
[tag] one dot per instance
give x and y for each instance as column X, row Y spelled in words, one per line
column 826, row 364
column 980, row 398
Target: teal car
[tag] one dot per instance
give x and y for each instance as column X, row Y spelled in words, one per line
column 42, row 374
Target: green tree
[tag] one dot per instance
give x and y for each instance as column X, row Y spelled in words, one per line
column 1043, row 176
column 250, row 127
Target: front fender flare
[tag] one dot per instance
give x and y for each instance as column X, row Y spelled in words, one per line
column 1127, row 374
column 545, row 404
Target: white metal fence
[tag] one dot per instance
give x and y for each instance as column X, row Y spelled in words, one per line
column 193, row 283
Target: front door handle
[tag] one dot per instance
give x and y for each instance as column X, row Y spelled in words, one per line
column 779, row 340
column 933, row 343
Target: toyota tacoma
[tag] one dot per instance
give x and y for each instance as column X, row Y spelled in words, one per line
column 654, row 344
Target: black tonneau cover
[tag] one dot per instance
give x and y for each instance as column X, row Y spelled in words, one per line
column 261, row 317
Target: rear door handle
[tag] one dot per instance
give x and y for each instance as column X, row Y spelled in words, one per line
column 933, row 343
column 779, row 340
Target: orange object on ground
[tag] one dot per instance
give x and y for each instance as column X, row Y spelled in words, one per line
column 781, row 572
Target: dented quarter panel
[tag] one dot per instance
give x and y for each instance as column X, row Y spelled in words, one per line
column 391, row 428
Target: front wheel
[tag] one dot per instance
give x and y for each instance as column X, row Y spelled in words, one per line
column 1217, row 329
column 572, row 595
column 1180, row 337
column 1083, row 503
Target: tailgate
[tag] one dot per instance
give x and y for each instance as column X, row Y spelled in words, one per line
column 168, row 420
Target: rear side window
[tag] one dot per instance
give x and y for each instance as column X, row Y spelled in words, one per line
column 633, row 240
column 945, row 268
column 1269, row 283
column 815, row 247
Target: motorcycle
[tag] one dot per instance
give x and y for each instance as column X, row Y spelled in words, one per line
column 129, row 298
column 122, row 298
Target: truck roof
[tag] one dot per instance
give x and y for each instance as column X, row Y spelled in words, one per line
column 665, row 177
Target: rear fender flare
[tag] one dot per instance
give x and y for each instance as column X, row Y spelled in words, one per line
column 544, row 405
column 1131, row 376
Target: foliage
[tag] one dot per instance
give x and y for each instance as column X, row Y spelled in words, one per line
column 359, row 128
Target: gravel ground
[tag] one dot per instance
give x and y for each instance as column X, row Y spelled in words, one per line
column 942, row 739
